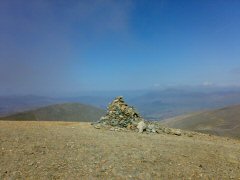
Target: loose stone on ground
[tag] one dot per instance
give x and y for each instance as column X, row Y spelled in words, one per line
column 122, row 117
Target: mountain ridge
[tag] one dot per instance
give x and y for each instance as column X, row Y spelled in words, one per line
column 223, row 121
column 59, row 112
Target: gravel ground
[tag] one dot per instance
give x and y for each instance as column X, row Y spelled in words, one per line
column 60, row 150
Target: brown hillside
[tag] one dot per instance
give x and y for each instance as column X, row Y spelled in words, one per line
column 63, row 150
column 223, row 122
column 59, row 112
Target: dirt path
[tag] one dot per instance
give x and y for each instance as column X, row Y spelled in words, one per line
column 59, row 150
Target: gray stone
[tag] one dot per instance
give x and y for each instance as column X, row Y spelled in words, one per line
column 152, row 128
column 141, row 126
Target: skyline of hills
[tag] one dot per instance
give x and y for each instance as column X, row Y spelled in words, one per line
column 223, row 122
column 208, row 112
column 59, row 112
column 151, row 104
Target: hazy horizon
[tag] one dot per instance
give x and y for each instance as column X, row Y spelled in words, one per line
column 64, row 47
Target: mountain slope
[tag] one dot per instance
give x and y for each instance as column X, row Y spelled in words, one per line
column 224, row 121
column 68, row 150
column 60, row 112
column 159, row 105
column 15, row 104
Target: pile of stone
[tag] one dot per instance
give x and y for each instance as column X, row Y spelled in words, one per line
column 119, row 114
column 122, row 117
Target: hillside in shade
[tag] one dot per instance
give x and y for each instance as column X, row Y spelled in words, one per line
column 59, row 112
column 223, row 122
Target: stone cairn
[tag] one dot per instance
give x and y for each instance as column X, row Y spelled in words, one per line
column 121, row 117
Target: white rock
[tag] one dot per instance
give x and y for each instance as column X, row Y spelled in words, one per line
column 151, row 127
column 141, row 126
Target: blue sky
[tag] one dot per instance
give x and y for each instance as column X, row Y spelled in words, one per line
column 70, row 46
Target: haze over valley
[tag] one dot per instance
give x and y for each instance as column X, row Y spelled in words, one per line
column 152, row 104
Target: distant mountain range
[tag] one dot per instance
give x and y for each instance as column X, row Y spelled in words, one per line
column 59, row 112
column 13, row 104
column 177, row 109
column 151, row 104
column 159, row 105
column 223, row 122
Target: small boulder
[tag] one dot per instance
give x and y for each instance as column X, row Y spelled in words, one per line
column 97, row 127
column 151, row 128
column 141, row 126
column 176, row 132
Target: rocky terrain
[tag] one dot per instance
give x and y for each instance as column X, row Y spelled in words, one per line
column 64, row 150
column 121, row 117
column 121, row 145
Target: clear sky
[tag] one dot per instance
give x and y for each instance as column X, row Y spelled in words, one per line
column 60, row 46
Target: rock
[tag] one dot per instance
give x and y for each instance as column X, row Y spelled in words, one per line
column 176, row 132
column 158, row 131
column 166, row 130
column 141, row 126
column 112, row 129
column 190, row 134
column 97, row 127
column 151, row 128
column 129, row 127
